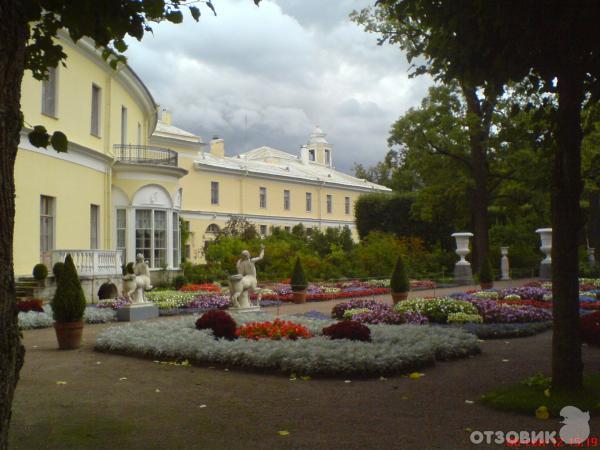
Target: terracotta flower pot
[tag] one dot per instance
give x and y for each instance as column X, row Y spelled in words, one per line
column 486, row 285
column 68, row 334
column 299, row 297
column 399, row 296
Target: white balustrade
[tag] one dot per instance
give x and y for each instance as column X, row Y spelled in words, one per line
column 92, row 263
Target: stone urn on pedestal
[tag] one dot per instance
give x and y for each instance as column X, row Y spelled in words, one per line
column 504, row 264
column 546, row 248
column 462, row 269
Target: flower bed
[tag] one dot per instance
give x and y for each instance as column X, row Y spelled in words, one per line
column 278, row 329
column 394, row 349
column 206, row 287
column 32, row 319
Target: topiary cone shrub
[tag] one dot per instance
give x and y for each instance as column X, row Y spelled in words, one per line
column 298, row 282
column 399, row 283
column 348, row 329
column 221, row 324
column 40, row 272
column 590, row 328
column 486, row 274
column 57, row 269
column 179, row 281
column 69, row 301
column 68, row 306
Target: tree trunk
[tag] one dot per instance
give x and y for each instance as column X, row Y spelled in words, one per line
column 13, row 36
column 478, row 137
column 567, row 365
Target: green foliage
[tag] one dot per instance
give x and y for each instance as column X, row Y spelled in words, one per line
column 179, row 281
column 238, row 227
column 184, row 233
column 130, row 268
column 527, row 396
column 298, row 280
column 486, row 274
column 437, row 310
column 461, row 318
column 68, row 303
column 203, row 273
column 399, row 281
column 57, row 269
column 40, row 272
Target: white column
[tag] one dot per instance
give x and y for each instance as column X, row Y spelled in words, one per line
column 170, row 238
column 130, row 243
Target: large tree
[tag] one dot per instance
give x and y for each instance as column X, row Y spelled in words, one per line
column 555, row 44
column 27, row 42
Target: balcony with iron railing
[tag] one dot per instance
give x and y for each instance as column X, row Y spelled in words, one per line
column 145, row 154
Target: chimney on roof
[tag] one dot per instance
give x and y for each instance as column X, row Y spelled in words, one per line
column 165, row 116
column 217, row 147
column 304, row 154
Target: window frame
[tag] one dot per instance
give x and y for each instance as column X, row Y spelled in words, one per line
column 262, row 197
column 96, row 110
column 50, row 81
column 214, row 192
column 329, row 200
column 309, row 202
column 287, row 202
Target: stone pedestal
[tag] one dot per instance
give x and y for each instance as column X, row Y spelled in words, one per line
column 246, row 309
column 546, row 248
column 591, row 256
column 463, row 273
column 137, row 311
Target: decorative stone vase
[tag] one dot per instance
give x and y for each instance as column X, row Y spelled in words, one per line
column 546, row 248
column 68, row 334
column 504, row 264
column 299, row 297
column 399, row 296
column 462, row 269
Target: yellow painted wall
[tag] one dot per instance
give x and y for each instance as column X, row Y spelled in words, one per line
column 130, row 187
column 74, row 187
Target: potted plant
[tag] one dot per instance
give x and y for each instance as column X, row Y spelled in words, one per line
column 399, row 283
column 298, row 283
column 68, row 306
column 486, row 275
column 40, row 272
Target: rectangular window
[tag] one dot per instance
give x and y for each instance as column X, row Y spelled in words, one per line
column 46, row 228
column 286, row 199
column 214, row 192
column 122, row 233
column 139, row 134
column 311, row 155
column 49, row 91
column 94, row 226
column 347, row 205
column 308, row 202
column 263, row 197
column 143, row 233
column 176, row 240
column 160, row 238
column 287, row 229
column 329, row 204
column 123, row 125
column 188, row 251
column 263, row 230
column 96, row 98
column 327, row 157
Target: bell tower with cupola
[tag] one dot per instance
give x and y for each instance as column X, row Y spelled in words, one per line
column 319, row 150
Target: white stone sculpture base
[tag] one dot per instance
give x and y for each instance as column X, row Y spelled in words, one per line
column 246, row 309
column 137, row 311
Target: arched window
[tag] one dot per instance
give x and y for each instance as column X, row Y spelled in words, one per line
column 213, row 228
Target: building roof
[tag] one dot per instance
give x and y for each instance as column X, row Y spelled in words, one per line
column 166, row 130
column 268, row 161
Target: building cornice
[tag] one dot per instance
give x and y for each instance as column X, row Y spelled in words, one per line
column 126, row 170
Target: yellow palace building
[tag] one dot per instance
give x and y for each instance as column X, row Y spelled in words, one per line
column 129, row 177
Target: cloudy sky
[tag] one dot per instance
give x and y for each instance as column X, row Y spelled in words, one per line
column 267, row 75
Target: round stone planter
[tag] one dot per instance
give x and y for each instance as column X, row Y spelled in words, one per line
column 68, row 334
column 299, row 297
column 399, row 296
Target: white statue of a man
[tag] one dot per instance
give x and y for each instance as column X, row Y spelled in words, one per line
column 245, row 281
column 138, row 282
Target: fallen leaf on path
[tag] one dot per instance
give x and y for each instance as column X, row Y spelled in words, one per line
column 283, row 433
column 505, row 360
column 201, row 406
column 469, row 402
column 416, row 375
column 542, row 413
column 61, row 382
column 382, row 378
column 468, row 429
column 98, row 363
column 347, row 381
column 157, row 390
column 305, row 378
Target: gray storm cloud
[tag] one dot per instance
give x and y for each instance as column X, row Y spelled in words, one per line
column 267, row 75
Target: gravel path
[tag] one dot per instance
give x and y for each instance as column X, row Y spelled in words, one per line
column 118, row 402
